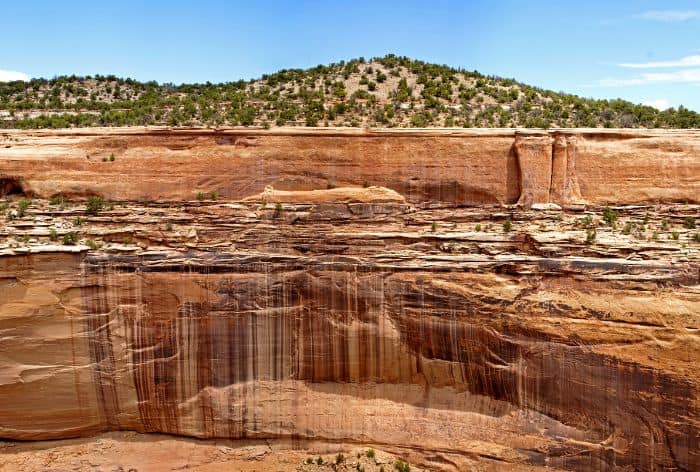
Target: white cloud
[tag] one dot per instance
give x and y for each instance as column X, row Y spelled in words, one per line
column 10, row 75
column 690, row 76
column 659, row 103
column 670, row 15
column 688, row 61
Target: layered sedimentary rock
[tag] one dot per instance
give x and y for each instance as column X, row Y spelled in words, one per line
column 462, row 167
column 383, row 315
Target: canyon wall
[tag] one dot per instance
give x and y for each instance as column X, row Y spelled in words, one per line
column 460, row 167
column 365, row 306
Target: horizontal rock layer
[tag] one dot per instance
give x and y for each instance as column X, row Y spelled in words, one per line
column 463, row 167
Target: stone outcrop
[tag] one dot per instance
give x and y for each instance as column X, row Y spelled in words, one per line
column 460, row 167
column 323, row 309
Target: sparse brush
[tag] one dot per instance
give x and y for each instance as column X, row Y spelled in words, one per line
column 94, row 205
column 22, row 207
column 590, row 236
column 70, row 239
column 609, row 216
column 507, row 225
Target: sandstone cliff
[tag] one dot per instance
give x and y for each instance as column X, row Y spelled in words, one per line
column 354, row 301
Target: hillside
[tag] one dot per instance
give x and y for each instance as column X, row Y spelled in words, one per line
column 389, row 91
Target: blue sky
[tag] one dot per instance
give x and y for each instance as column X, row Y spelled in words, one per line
column 644, row 51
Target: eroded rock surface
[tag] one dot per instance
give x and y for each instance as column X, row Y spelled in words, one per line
column 406, row 323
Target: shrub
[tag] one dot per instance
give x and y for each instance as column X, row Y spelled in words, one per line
column 609, row 216
column 370, row 453
column 309, row 460
column 507, row 225
column 213, row 195
column 53, row 235
column 433, row 227
column 339, row 458
column 664, row 225
column 689, row 223
column 78, row 221
column 111, row 157
column 56, row 200
column 22, row 206
column 70, row 239
column 590, row 236
column 201, row 196
column 319, row 460
column 627, row 229
column 402, row 466
column 696, row 237
column 477, row 228
column 168, row 226
column 92, row 244
column 94, row 205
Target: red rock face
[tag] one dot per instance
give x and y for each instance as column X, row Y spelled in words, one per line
column 469, row 168
column 355, row 317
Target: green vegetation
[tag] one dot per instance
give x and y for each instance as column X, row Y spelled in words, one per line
column 53, row 235
column 609, row 216
column 70, row 239
column 370, row 453
column 319, row 460
column 590, row 235
column 94, row 205
column 507, row 226
column 56, row 200
column 346, row 93
column 627, row 229
column 689, row 223
column 22, row 207
column 339, row 458
column 402, row 466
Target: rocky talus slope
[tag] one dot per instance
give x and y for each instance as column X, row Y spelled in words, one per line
column 465, row 300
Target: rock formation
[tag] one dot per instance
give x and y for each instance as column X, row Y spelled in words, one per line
column 371, row 295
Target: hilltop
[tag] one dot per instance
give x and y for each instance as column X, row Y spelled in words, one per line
column 389, row 91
